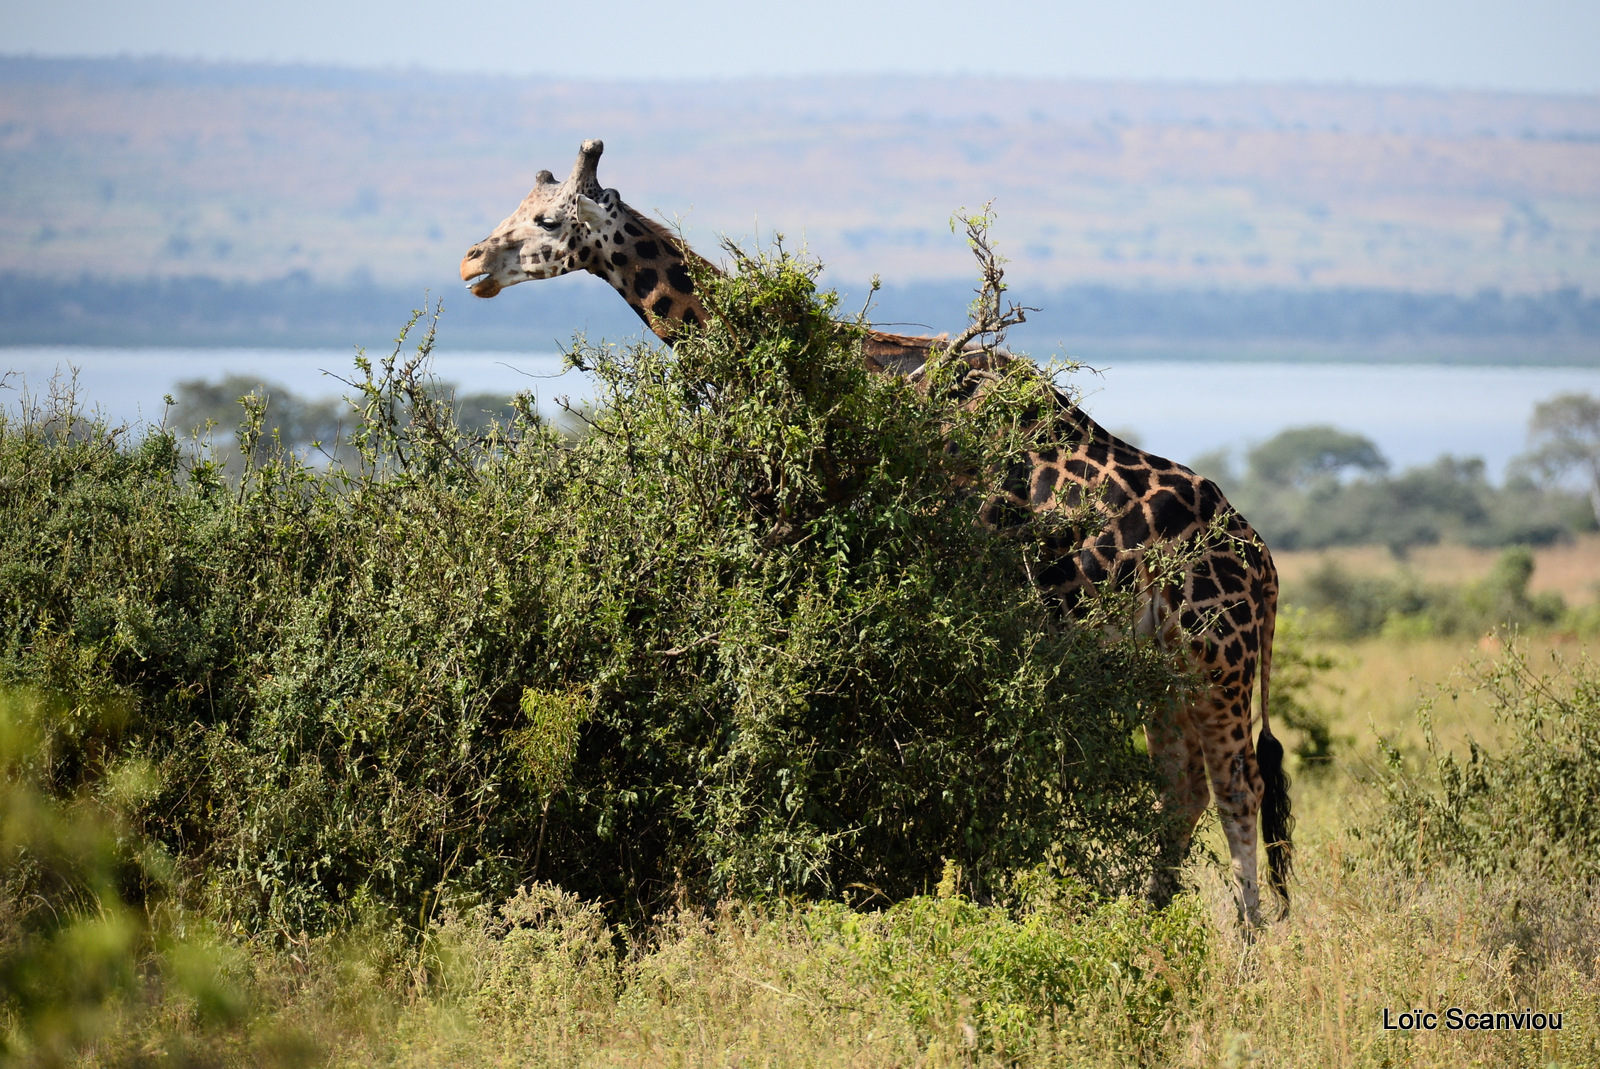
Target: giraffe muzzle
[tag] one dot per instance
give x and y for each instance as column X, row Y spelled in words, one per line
column 479, row 279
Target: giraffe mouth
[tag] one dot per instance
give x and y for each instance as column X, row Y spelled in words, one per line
column 483, row 285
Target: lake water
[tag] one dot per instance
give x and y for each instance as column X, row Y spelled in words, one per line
column 1180, row 410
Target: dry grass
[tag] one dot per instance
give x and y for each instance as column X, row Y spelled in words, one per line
column 1378, row 683
column 1571, row 569
column 1312, row 991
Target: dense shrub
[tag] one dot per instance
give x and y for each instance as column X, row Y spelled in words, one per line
column 743, row 637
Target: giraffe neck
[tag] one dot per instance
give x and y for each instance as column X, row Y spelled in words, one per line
column 647, row 265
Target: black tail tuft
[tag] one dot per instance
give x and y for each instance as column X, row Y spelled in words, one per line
column 1277, row 823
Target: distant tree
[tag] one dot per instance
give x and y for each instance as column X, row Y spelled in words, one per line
column 1301, row 455
column 1217, row 465
column 296, row 422
column 292, row 421
column 1565, row 436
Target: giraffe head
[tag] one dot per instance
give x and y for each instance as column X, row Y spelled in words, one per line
column 576, row 225
column 545, row 236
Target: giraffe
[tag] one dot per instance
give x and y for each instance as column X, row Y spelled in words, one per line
column 1218, row 617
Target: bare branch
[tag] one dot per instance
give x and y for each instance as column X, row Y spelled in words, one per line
column 986, row 315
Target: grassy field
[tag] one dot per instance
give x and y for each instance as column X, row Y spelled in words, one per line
column 1364, row 936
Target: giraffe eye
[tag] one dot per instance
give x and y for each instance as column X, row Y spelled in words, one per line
column 549, row 222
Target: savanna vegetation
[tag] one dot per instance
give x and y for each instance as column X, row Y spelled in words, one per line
column 718, row 734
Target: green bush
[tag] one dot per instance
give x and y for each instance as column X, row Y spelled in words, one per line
column 1060, row 956
column 749, row 611
column 1060, row 970
column 1532, row 809
column 92, row 948
column 1296, row 665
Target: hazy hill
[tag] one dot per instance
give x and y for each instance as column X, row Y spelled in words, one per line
column 136, row 170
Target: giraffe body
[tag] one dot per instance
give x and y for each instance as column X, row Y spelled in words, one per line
column 1218, row 614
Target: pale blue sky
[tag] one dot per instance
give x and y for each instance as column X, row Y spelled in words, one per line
column 1545, row 45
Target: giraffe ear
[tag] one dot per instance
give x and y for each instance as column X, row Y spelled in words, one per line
column 590, row 213
column 544, row 178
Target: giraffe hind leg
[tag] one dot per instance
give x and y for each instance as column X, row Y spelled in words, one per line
column 1236, row 784
column 1176, row 750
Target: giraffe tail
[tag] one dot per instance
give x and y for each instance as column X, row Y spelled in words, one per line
column 1277, row 823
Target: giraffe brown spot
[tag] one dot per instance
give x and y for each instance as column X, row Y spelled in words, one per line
column 1044, row 484
column 662, row 307
column 1093, row 568
column 1015, row 482
column 1168, row 517
column 1137, row 480
column 1132, row 528
column 633, row 231
column 1125, row 456
column 619, row 259
column 1058, row 572
column 647, row 250
column 678, row 275
column 645, row 281
column 1229, row 573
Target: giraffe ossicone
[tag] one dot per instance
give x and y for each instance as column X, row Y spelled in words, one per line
column 1218, row 615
